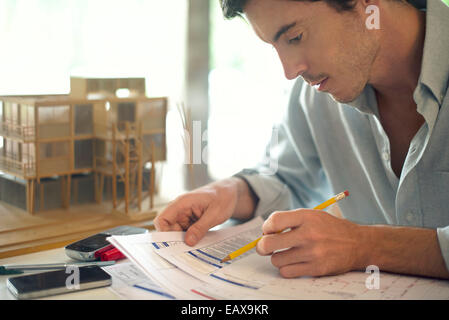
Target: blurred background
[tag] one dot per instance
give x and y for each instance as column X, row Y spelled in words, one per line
column 232, row 82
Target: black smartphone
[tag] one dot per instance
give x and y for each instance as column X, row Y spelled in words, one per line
column 86, row 249
column 50, row 283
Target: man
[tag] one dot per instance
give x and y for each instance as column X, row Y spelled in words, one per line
column 376, row 123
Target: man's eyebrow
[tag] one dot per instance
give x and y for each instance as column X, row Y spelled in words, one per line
column 283, row 30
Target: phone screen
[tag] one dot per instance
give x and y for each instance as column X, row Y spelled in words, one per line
column 56, row 282
column 90, row 244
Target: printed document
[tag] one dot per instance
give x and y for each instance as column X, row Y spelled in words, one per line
column 141, row 250
column 130, row 283
column 255, row 275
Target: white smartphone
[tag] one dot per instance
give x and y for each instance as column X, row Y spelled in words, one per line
column 58, row 282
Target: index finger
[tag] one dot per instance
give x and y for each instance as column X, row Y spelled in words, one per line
column 168, row 218
column 278, row 221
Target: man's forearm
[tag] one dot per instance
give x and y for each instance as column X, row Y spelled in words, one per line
column 246, row 202
column 405, row 250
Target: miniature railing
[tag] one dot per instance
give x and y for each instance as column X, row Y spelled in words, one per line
column 11, row 129
column 14, row 166
column 29, row 169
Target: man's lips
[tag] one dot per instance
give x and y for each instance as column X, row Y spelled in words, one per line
column 319, row 83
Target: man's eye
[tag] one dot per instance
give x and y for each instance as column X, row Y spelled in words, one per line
column 295, row 39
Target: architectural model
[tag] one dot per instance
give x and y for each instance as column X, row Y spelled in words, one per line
column 88, row 146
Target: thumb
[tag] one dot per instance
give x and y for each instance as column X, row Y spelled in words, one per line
column 197, row 230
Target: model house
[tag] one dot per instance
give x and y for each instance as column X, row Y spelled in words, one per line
column 88, row 146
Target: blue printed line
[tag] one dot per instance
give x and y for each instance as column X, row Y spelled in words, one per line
column 233, row 282
column 165, row 244
column 204, row 260
column 209, row 255
column 155, row 245
column 155, row 291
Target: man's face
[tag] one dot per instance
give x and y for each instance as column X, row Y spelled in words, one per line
column 313, row 40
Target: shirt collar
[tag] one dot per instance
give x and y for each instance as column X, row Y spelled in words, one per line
column 366, row 102
column 435, row 62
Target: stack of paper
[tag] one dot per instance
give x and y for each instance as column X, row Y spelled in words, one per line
column 130, row 283
column 185, row 272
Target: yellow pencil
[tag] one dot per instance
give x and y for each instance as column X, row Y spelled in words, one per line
column 252, row 244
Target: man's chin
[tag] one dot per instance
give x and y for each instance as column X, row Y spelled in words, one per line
column 345, row 98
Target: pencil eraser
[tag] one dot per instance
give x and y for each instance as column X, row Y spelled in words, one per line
column 346, row 193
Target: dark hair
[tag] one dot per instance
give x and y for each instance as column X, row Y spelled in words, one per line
column 233, row 8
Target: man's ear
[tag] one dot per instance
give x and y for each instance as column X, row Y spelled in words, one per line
column 362, row 5
column 367, row 3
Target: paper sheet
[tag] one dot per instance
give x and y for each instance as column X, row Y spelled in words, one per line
column 253, row 273
column 141, row 250
column 257, row 271
column 203, row 260
column 130, row 283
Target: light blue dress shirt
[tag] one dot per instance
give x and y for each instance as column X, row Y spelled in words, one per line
column 325, row 147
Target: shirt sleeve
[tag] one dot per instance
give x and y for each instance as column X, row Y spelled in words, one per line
column 443, row 239
column 291, row 175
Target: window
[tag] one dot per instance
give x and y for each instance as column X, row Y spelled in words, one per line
column 54, row 121
column 47, row 41
column 84, row 123
column 53, row 150
column 248, row 94
column 83, row 154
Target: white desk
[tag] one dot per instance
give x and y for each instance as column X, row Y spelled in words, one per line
column 52, row 256
column 57, row 256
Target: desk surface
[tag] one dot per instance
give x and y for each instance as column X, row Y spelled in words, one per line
column 440, row 290
column 57, row 256
column 52, row 256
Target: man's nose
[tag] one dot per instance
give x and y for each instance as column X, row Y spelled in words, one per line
column 293, row 66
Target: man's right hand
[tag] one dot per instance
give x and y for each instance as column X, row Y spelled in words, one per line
column 199, row 210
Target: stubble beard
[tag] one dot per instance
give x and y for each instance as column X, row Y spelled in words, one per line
column 357, row 66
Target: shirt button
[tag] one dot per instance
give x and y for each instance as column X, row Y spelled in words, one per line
column 386, row 156
column 410, row 217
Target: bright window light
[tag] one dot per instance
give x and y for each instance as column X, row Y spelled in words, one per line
column 122, row 93
column 248, row 94
column 47, row 41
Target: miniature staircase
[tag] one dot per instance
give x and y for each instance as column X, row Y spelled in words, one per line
column 129, row 165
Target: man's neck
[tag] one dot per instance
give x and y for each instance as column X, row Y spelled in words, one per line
column 398, row 64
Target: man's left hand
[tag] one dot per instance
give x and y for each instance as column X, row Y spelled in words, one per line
column 315, row 244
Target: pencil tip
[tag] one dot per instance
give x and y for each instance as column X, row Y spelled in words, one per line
column 225, row 259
